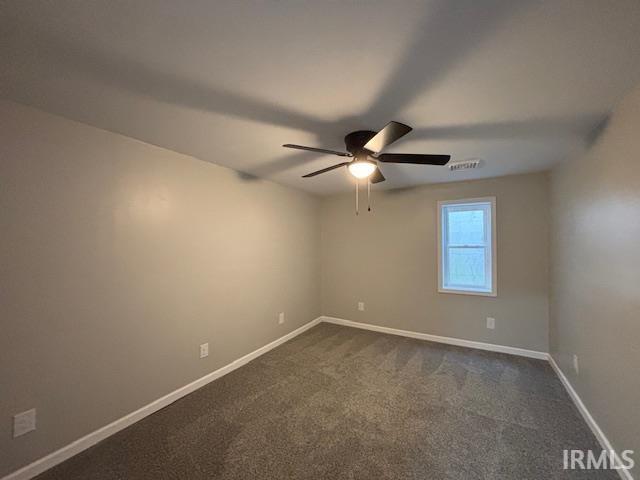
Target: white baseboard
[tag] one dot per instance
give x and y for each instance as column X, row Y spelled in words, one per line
column 436, row 338
column 588, row 418
column 96, row 436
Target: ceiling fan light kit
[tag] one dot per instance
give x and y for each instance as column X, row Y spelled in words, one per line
column 361, row 168
column 364, row 147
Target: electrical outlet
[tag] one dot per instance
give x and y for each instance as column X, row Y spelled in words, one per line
column 204, row 350
column 361, row 306
column 576, row 365
column 491, row 323
column 281, row 318
column 24, row 422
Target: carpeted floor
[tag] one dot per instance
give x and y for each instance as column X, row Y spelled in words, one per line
column 338, row 402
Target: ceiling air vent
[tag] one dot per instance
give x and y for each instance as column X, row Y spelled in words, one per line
column 464, row 164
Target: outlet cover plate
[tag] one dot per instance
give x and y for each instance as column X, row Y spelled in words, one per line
column 24, row 422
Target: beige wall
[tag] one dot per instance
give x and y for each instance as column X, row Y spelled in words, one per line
column 595, row 275
column 118, row 259
column 388, row 259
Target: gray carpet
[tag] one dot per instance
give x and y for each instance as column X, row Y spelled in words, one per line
column 339, row 402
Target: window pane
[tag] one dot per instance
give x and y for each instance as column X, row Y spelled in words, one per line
column 466, row 227
column 466, row 267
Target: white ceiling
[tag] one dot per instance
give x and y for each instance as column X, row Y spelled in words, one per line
column 521, row 84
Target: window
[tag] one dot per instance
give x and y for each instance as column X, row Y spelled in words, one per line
column 467, row 246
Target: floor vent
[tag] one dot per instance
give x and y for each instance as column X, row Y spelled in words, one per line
column 465, row 164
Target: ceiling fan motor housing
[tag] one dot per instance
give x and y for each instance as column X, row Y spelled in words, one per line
column 355, row 141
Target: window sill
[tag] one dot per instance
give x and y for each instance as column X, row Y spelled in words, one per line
column 468, row 292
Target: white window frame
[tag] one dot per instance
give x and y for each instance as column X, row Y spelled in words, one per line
column 491, row 259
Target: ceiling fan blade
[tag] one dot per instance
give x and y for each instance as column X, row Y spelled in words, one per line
column 415, row 158
column 313, row 174
column 318, row 150
column 377, row 176
column 385, row 137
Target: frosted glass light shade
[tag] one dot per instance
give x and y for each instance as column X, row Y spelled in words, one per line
column 361, row 168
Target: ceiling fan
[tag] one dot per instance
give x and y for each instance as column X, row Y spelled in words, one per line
column 364, row 147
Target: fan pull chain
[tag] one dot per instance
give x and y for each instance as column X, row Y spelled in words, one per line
column 357, row 184
column 368, row 194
